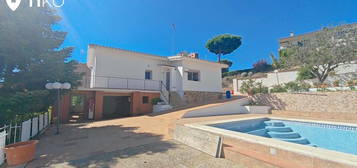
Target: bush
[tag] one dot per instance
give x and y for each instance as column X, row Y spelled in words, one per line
column 297, row 86
column 304, row 86
column 247, row 86
column 336, row 83
column 305, row 73
column 259, row 88
column 22, row 103
column 292, row 86
column 155, row 101
column 251, row 87
column 278, row 89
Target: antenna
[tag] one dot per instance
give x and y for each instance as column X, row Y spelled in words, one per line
column 173, row 40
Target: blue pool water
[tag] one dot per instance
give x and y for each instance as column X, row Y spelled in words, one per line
column 328, row 136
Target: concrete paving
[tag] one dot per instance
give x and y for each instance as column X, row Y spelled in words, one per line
column 143, row 141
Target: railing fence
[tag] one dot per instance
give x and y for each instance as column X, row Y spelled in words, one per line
column 22, row 131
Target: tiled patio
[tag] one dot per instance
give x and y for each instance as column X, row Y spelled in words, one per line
column 142, row 141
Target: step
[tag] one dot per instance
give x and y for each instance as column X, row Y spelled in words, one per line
column 302, row 141
column 274, row 123
column 259, row 132
column 278, row 129
column 312, row 145
column 284, row 135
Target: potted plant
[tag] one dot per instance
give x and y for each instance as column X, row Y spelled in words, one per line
column 21, row 152
column 159, row 105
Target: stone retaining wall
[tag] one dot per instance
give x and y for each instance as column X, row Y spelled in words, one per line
column 320, row 102
column 193, row 97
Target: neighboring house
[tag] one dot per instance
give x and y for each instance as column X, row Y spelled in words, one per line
column 343, row 73
column 120, row 83
column 293, row 39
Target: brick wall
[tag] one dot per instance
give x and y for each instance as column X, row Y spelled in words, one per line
column 138, row 107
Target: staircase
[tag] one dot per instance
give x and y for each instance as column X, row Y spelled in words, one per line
column 77, row 118
column 278, row 130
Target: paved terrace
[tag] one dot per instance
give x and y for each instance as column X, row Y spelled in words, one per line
column 143, row 141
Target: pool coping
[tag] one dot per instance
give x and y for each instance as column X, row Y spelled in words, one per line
column 320, row 153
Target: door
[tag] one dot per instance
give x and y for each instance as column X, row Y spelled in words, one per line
column 116, row 106
column 77, row 103
column 168, row 80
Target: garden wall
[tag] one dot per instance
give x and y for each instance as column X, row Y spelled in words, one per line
column 334, row 105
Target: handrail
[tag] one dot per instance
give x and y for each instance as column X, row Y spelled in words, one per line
column 125, row 78
column 163, row 90
column 110, row 82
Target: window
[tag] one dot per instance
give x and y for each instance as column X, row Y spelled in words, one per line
column 148, row 75
column 145, row 99
column 193, row 76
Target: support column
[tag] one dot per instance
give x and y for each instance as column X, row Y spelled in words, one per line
column 98, row 113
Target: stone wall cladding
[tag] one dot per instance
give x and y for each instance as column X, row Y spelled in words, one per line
column 320, row 102
column 194, row 97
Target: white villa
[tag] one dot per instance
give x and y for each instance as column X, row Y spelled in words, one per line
column 123, row 83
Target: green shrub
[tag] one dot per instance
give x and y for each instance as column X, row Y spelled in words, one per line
column 22, row 104
column 336, row 83
column 251, row 87
column 305, row 73
column 292, row 86
column 259, row 88
column 304, row 86
column 278, row 89
column 155, row 101
column 247, row 86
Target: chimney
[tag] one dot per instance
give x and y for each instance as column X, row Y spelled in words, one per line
column 193, row 55
column 292, row 34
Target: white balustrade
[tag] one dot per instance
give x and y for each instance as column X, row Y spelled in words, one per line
column 26, row 130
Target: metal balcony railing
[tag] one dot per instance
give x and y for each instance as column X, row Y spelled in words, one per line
column 109, row 82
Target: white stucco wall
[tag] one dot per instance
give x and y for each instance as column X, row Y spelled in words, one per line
column 285, row 77
column 111, row 63
column 123, row 64
column 210, row 77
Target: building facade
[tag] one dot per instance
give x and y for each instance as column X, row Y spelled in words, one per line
column 121, row 83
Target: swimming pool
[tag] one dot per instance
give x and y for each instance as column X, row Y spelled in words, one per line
column 342, row 138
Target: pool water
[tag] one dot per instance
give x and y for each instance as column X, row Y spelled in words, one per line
column 334, row 137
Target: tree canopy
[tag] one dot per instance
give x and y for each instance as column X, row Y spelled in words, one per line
column 227, row 62
column 223, row 44
column 31, row 55
column 325, row 50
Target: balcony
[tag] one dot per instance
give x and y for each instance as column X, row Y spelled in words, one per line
column 106, row 82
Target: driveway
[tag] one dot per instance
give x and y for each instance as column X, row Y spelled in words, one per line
column 142, row 141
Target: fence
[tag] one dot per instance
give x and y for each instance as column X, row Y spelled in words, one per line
column 20, row 131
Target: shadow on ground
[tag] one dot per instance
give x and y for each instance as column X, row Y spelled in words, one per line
column 83, row 146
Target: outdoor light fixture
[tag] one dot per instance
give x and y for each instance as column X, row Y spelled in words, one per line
column 277, row 76
column 58, row 86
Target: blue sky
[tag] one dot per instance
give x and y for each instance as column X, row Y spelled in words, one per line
column 146, row 25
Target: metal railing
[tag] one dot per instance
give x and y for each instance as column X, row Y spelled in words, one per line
column 20, row 131
column 165, row 93
column 109, row 82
